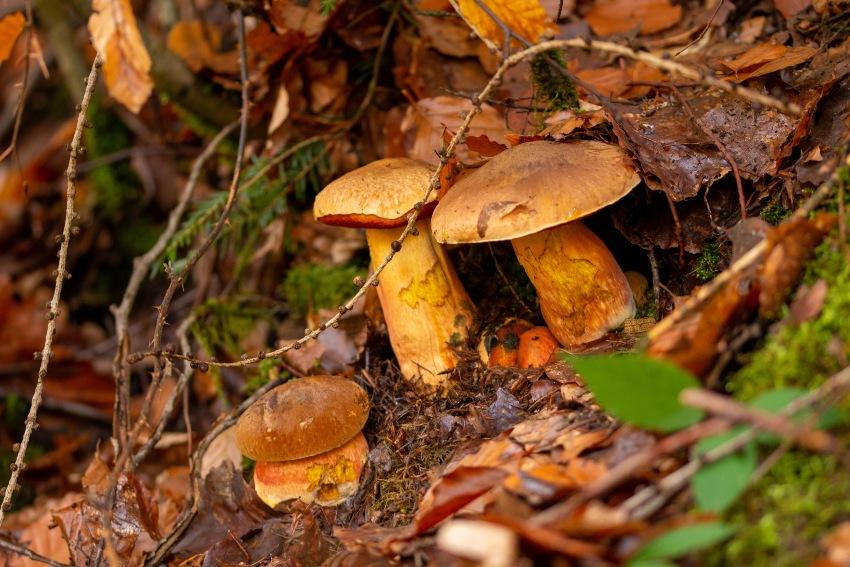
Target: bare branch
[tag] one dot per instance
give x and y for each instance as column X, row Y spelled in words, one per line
column 68, row 228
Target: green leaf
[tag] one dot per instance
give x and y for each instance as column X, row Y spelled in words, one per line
column 682, row 541
column 774, row 401
column 717, row 485
column 639, row 390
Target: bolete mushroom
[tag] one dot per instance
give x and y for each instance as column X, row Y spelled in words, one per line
column 426, row 309
column 533, row 195
column 306, row 439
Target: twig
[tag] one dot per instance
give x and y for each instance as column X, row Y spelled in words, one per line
column 704, row 30
column 176, row 279
column 141, row 268
column 62, row 274
column 752, row 257
column 647, row 501
column 24, row 551
column 724, row 406
column 656, row 281
column 171, row 403
column 22, row 97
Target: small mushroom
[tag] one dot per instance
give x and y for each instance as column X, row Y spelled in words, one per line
column 533, row 195
column 499, row 347
column 306, row 439
column 426, row 308
column 535, row 348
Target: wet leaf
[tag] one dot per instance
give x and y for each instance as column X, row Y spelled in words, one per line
column 126, row 63
column 526, row 18
column 609, row 17
column 11, row 27
column 790, row 8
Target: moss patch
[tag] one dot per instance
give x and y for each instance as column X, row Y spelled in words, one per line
column 313, row 286
column 782, row 519
column 552, row 89
column 804, row 355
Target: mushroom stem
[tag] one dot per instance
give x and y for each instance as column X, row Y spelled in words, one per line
column 582, row 290
column 426, row 309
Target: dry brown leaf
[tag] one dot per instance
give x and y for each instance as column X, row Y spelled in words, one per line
column 752, row 29
column 790, row 8
column 298, row 20
column 11, row 27
column 281, row 109
column 766, row 58
column 126, row 63
column 425, row 122
column 609, row 17
column 614, row 81
column 197, row 44
column 525, row 18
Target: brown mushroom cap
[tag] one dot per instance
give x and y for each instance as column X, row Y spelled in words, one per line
column 302, row 418
column 532, row 187
column 377, row 195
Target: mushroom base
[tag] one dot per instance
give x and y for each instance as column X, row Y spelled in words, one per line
column 426, row 309
column 326, row 479
column 582, row 290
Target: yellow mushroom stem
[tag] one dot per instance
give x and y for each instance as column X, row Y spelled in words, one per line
column 426, row 309
column 582, row 290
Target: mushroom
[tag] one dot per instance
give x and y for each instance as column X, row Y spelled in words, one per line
column 533, row 195
column 426, row 308
column 306, row 439
column 535, row 348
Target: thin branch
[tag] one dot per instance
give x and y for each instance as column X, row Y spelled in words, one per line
column 24, row 551
column 141, row 268
column 724, row 406
column 62, row 274
column 22, row 97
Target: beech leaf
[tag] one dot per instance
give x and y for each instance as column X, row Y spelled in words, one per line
column 11, row 27
column 126, row 63
column 526, row 18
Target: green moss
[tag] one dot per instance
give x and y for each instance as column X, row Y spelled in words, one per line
column 115, row 185
column 804, row 355
column 708, row 264
column 781, row 519
column 313, row 286
column 649, row 307
column 552, row 89
column 774, row 214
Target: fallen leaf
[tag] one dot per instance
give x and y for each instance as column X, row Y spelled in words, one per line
column 198, row 44
column 425, row 122
column 609, row 17
column 298, row 21
column 790, row 8
column 482, row 542
column 837, row 544
column 546, row 538
column 452, row 492
column 751, row 29
column 11, row 27
column 326, row 80
column 32, row 527
column 126, row 63
column 680, row 158
column 789, row 246
column 525, row 18
column 766, row 58
column 484, row 145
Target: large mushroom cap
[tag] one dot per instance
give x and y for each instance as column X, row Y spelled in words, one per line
column 377, row 195
column 302, row 418
column 532, row 187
